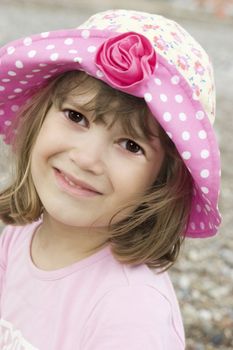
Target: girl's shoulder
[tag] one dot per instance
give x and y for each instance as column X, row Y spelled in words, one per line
column 140, row 283
column 142, row 276
column 12, row 235
column 139, row 296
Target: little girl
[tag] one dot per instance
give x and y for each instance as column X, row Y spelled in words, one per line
column 116, row 162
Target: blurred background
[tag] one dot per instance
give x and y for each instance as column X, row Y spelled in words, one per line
column 203, row 276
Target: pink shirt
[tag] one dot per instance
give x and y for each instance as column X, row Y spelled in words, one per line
column 94, row 304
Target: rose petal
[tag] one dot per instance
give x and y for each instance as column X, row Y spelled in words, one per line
column 126, row 59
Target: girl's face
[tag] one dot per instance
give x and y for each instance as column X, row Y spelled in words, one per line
column 85, row 171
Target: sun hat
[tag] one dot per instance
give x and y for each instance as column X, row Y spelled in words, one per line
column 142, row 54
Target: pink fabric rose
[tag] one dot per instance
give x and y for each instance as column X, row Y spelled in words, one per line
column 126, row 60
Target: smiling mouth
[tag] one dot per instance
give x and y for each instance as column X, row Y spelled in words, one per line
column 74, row 187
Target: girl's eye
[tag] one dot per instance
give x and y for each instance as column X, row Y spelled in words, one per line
column 132, row 146
column 76, row 117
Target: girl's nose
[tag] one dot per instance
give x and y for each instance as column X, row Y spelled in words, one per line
column 89, row 152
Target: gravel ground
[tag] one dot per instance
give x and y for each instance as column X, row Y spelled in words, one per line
column 203, row 276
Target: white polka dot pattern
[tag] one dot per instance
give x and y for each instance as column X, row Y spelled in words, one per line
column 186, row 155
column 69, row 41
column 32, row 53
column 148, row 97
column 44, row 35
column 10, row 50
column 50, row 47
column 91, row 48
column 100, row 74
column 27, row 41
column 19, row 64
column 163, row 97
column 85, row 34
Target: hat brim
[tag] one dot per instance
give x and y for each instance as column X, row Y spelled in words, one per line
column 30, row 63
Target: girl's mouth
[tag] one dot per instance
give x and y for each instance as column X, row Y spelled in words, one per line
column 73, row 186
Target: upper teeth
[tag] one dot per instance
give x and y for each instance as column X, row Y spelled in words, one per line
column 69, row 181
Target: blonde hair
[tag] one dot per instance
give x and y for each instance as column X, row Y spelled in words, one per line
column 153, row 232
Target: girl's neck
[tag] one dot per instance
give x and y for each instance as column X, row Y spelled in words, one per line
column 56, row 245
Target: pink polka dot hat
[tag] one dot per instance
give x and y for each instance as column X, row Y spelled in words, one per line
column 141, row 54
